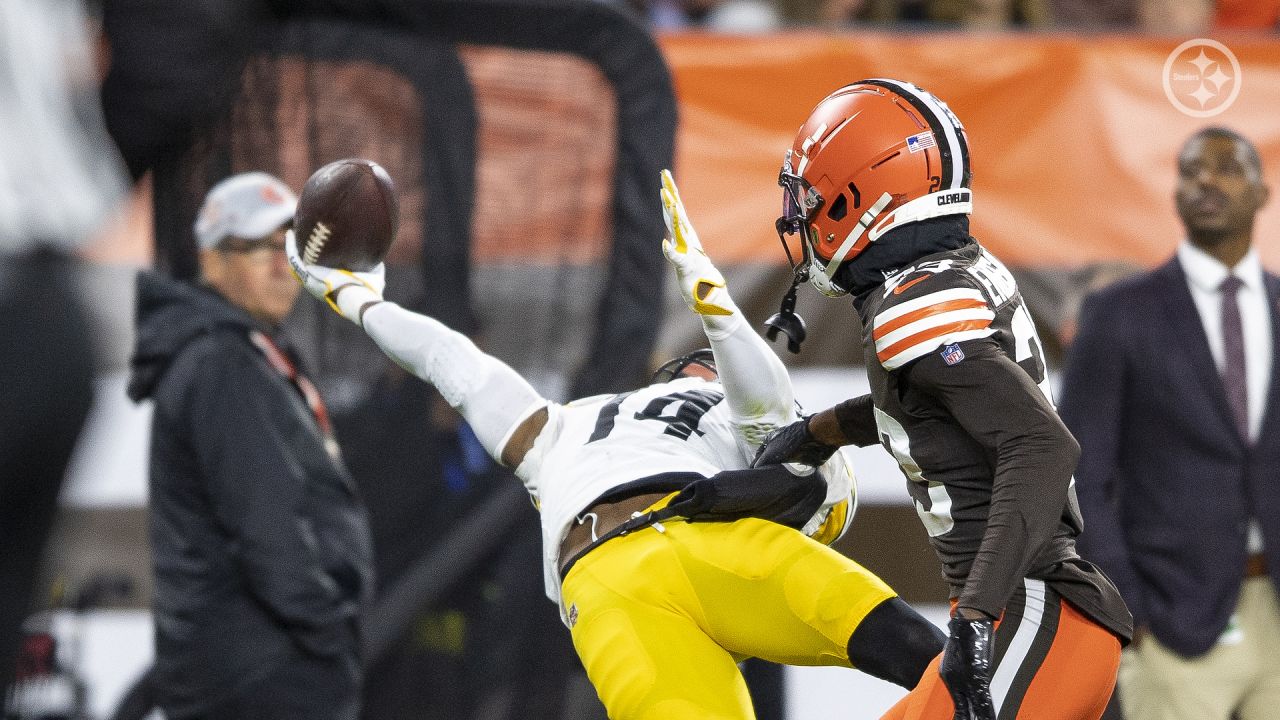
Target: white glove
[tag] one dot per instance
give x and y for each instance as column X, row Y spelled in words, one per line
column 701, row 283
column 348, row 293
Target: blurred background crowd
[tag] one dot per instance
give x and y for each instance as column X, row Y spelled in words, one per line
column 1154, row 16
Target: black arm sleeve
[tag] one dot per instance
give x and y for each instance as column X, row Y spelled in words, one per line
column 1034, row 454
column 857, row 420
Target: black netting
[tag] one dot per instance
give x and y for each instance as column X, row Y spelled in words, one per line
column 543, row 221
column 519, row 167
column 319, row 91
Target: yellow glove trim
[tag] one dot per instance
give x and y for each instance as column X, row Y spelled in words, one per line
column 331, row 295
column 702, row 307
column 675, row 210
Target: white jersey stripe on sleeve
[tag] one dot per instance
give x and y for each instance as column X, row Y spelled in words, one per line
column 897, row 357
column 933, row 298
column 931, row 321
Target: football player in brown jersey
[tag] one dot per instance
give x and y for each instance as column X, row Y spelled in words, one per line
column 876, row 206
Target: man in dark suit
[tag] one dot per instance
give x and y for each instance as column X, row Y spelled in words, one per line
column 1169, row 390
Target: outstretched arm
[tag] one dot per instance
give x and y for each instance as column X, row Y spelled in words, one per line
column 757, row 386
column 502, row 408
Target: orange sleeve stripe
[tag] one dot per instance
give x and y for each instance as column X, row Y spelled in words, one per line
column 924, row 312
column 926, row 335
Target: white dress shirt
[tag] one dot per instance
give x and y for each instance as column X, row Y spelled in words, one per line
column 1204, row 277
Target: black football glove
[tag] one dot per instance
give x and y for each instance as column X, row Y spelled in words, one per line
column 966, row 667
column 795, row 444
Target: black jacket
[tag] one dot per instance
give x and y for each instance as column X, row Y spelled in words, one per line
column 260, row 543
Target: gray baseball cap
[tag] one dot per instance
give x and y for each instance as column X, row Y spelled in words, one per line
column 249, row 205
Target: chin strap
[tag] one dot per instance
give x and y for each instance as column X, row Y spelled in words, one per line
column 787, row 320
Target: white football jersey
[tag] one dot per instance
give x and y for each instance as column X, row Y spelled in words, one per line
column 591, row 446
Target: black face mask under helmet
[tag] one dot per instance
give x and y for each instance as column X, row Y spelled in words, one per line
column 671, row 369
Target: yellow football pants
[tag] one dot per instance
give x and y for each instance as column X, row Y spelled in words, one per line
column 660, row 618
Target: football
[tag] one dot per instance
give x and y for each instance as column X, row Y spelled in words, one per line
column 347, row 215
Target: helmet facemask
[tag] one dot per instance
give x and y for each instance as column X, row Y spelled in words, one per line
column 800, row 204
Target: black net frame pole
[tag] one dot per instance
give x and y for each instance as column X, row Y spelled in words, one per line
column 630, row 312
column 436, row 572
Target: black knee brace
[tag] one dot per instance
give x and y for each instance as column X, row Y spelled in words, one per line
column 895, row 643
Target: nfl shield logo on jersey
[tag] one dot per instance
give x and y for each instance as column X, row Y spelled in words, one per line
column 573, row 614
column 952, row 354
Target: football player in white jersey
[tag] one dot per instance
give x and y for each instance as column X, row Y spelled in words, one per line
column 661, row 608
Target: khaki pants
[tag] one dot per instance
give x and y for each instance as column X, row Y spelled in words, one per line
column 1240, row 674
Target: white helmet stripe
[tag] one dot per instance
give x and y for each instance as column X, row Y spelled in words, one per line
column 864, row 222
column 941, row 118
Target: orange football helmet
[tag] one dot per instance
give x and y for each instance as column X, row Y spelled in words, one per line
column 872, row 156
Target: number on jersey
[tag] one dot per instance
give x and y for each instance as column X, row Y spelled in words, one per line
column 681, row 412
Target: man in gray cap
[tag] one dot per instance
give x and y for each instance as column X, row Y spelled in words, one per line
column 240, row 232
column 261, row 546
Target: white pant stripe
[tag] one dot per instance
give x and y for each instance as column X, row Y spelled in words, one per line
column 1021, row 643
